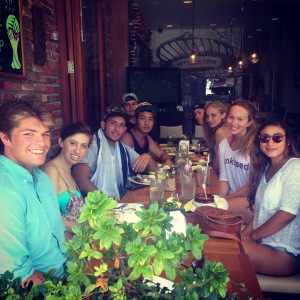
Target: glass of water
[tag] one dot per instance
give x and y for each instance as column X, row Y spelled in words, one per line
column 156, row 189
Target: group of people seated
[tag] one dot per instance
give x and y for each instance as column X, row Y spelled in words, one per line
column 40, row 201
column 258, row 171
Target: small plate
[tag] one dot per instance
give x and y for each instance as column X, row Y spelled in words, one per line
column 145, row 179
column 219, row 202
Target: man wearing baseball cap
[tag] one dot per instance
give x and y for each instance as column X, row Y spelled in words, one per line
column 138, row 138
column 130, row 102
column 108, row 162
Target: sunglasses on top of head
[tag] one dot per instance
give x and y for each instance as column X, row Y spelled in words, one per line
column 277, row 138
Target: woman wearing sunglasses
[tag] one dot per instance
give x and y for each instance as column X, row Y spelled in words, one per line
column 271, row 238
column 234, row 156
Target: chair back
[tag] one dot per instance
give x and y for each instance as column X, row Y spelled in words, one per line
column 174, row 131
column 199, row 133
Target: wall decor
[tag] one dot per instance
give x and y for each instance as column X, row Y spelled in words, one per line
column 11, row 39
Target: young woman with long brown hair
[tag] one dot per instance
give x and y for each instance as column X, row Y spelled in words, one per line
column 271, row 238
column 234, row 156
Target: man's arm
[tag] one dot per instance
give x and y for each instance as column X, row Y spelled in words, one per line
column 126, row 138
column 81, row 174
column 164, row 158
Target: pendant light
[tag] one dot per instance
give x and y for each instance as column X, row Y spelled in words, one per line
column 230, row 68
column 253, row 58
column 241, row 62
column 193, row 55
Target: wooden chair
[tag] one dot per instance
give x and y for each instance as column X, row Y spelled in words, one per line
column 174, row 131
column 288, row 285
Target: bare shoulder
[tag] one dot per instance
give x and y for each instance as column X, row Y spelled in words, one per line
column 222, row 132
column 126, row 138
column 50, row 168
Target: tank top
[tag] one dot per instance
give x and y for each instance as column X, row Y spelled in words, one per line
column 140, row 149
column 70, row 202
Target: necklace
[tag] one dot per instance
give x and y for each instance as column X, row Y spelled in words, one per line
column 142, row 141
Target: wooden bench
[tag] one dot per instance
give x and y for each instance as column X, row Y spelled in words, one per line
column 289, row 284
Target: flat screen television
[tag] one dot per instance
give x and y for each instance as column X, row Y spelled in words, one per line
column 159, row 86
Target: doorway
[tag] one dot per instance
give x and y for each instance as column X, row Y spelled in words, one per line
column 81, row 60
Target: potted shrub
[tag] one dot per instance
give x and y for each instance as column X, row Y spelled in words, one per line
column 111, row 261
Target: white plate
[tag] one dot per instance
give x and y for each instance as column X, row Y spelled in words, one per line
column 163, row 282
column 146, row 182
column 220, row 202
column 126, row 212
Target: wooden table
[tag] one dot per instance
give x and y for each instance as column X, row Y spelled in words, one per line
column 142, row 195
column 215, row 249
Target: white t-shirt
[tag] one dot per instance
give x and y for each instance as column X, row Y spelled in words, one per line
column 234, row 167
column 282, row 192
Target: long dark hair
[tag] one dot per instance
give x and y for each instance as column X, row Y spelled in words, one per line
column 71, row 129
column 74, row 128
column 259, row 160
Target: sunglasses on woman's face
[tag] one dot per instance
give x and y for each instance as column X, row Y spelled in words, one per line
column 277, row 138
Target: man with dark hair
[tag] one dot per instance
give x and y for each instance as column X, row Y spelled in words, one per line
column 32, row 231
column 130, row 102
column 108, row 162
column 138, row 137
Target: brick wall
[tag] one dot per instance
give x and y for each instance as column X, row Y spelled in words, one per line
column 41, row 80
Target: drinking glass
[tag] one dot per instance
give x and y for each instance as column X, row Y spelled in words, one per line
column 201, row 176
column 183, row 150
column 188, row 188
column 156, row 189
column 170, row 141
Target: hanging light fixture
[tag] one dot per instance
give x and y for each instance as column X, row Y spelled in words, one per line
column 230, row 68
column 241, row 62
column 253, row 58
column 193, row 55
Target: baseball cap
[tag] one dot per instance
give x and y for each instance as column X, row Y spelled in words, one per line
column 115, row 112
column 128, row 97
column 198, row 105
column 146, row 106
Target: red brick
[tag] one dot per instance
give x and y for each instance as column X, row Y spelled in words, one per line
column 28, row 86
column 12, row 86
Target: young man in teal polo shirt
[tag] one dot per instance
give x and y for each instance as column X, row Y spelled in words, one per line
column 32, row 231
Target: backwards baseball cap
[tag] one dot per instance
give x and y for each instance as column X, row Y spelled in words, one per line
column 128, row 97
column 198, row 105
column 146, row 106
column 115, row 112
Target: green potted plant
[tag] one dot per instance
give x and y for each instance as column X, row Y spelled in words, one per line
column 111, row 261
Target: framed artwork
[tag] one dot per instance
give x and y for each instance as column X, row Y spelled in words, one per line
column 11, row 39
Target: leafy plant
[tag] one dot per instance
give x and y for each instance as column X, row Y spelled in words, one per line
column 110, row 261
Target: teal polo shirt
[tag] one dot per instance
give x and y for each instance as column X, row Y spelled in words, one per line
column 32, row 231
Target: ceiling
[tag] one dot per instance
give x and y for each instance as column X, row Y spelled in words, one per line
column 257, row 13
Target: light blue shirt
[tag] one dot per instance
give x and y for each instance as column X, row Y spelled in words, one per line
column 32, row 231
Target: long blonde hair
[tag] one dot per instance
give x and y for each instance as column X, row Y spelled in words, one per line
column 247, row 142
column 209, row 133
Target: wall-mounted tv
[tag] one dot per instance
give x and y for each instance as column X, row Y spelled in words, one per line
column 159, row 86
